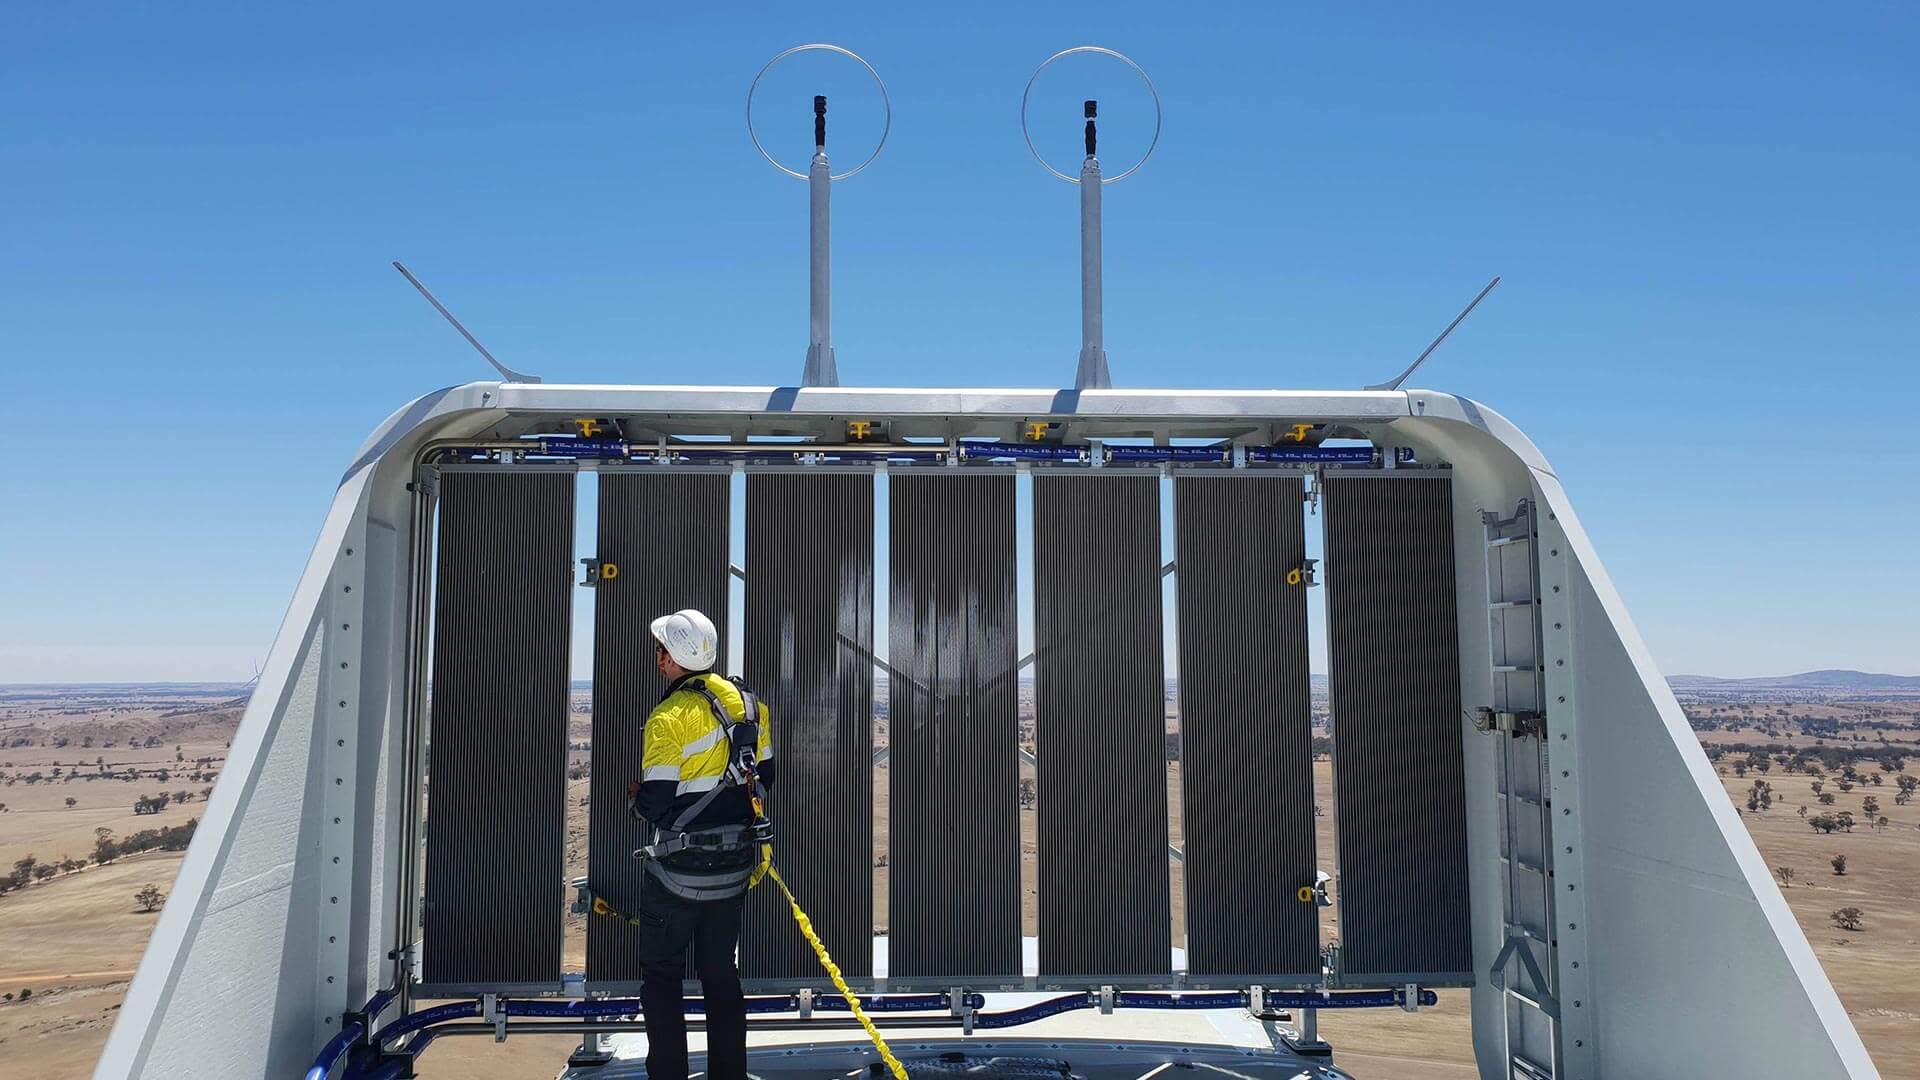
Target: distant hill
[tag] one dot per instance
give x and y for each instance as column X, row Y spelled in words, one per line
column 1829, row 679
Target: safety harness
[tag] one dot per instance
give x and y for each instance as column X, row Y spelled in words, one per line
column 743, row 739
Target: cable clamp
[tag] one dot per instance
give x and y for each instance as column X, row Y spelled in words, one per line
column 490, row 1012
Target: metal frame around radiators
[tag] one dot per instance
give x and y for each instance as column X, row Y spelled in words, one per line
column 1228, row 416
column 1741, row 991
column 572, row 985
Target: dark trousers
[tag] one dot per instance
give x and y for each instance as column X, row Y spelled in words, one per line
column 668, row 924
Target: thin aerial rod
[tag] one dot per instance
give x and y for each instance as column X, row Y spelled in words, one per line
column 821, row 369
column 1415, row 366
column 506, row 372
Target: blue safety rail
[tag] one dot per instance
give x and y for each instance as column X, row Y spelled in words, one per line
column 377, row 1057
column 969, row 451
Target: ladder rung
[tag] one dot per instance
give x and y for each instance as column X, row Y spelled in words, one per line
column 1523, row 997
column 1509, row 668
column 1503, row 541
column 1530, row 800
column 1524, row 1069
column 1516, row 928
column 1500, row 604
column 1525, row 865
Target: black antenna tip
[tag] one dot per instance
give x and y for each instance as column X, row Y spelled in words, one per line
column 1092, row 108
column 819, row 104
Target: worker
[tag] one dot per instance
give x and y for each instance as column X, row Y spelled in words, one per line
column 706, row 764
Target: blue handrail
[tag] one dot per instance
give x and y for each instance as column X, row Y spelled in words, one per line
column 371, row 1067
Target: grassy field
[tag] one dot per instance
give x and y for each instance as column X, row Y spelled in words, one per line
column 74, row 939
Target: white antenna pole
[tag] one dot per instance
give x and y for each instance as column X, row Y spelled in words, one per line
column 1092, row 373
column 820, row 369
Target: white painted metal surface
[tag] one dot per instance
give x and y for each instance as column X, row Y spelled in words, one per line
column 1694, row 965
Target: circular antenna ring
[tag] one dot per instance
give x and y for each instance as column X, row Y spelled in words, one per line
column 1123, row 58
column 885, row 102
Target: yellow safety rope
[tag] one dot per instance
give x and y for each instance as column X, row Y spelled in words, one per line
column 833, row 972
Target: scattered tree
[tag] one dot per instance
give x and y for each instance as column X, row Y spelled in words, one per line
column 72, row 802
column 1823, row 823
column 1826, row 798
column 1848, row 918
column 1785, row 874
column 26, row 992
column 150, row 898
column 1870, row 806
column 1839, row 865
column 1029, row 795
column 1846, row 820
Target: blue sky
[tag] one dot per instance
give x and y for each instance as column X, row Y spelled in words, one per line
column 1704, row 217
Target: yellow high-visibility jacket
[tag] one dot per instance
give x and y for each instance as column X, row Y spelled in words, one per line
column 685, row 754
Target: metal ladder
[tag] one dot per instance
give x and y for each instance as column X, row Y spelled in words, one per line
column 1525, row 970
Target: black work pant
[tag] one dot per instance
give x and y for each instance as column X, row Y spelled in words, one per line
column 668, row 924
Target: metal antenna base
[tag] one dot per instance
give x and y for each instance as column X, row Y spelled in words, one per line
column 820, row 369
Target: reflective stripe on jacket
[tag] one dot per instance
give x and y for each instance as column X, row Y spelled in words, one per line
column 685, row 753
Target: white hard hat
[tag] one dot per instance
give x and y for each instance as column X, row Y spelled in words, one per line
column 689, row 637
